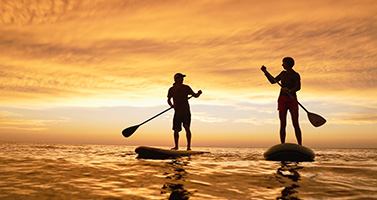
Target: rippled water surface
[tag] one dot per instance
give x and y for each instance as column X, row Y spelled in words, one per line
column 55, row 171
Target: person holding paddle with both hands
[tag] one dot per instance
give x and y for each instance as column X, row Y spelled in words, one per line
column 290, row 84
column 179, row 93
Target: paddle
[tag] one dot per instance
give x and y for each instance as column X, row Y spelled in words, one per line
column 315, row 119
column 130, row 130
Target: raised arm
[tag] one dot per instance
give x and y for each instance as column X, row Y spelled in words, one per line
column 268, row 75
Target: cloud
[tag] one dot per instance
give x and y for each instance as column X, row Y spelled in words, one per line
column 257, row 121
column 26, row 125
column 204, row 117
column 113, row 61
column 16, row 121
column 353, row 118
column 69, row 49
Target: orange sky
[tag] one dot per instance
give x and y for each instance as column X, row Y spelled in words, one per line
column 81, row 71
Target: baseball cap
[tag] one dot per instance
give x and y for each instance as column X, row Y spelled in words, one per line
column 178, row 75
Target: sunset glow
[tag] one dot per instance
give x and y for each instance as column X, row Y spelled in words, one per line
column 82, row 71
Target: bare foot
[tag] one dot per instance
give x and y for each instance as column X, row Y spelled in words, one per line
column 188, row 149
column 174, row 148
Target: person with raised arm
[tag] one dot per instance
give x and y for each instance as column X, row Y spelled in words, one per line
column 290, row 84
column 179, row 92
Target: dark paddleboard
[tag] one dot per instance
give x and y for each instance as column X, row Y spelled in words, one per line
column 158, row 153
column 289, row 152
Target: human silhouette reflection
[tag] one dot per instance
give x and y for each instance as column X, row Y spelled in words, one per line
column 288, row 175
column 175, row 181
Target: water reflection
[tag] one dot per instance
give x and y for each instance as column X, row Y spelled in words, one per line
column 175, row 180
column 288, row 175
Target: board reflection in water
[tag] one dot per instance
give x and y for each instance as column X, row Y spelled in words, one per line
column 175, row 180
column 288, row 175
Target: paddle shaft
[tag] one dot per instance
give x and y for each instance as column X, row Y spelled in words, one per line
column 156, row 116
column 159, row 114
column 268, row 74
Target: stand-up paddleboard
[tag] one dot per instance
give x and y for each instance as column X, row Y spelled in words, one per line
column 157, row 153
column 289, row 152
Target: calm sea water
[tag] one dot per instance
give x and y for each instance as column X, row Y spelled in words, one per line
column 56, row 171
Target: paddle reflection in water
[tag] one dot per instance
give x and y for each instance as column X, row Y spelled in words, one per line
column 176, row 179
column 288, row 175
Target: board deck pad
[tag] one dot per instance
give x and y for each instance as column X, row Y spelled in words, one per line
column 289, row 152
column 158, row 153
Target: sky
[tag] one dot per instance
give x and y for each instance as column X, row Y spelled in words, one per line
column 80, row 72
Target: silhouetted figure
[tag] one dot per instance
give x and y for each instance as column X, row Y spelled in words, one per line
column 182, row 115
column 291, row 83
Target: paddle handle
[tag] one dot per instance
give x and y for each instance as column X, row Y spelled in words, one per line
column 268, row 74
column 159, row 114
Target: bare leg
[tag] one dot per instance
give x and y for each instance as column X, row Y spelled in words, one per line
column 176, row 139
column 188, row 136
column 283, row 124
column 296, row 125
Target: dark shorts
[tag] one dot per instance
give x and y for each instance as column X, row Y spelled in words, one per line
column 287, row 103
column 180, row 119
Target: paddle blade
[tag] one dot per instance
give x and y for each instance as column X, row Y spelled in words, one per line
column 129, row 131
column 316, row 120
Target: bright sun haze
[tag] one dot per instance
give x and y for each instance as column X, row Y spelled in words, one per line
column 82, row 71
